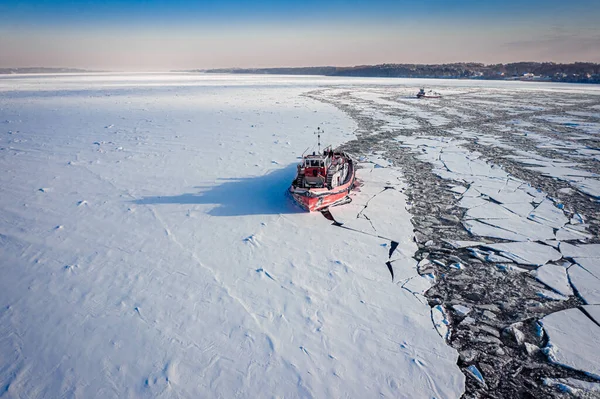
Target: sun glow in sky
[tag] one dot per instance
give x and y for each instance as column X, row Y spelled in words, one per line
column 184, row 34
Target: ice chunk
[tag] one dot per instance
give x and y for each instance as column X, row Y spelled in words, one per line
column 457, row 244
column 461, row 310
column 552, row 295
column 555, row 277
column 473, row 371
column 575, row 387
column 383, row 212
column 510, row 268
column 592, row 265
column 418, row 284
column 548, row 214
column 440, row 321
column 577, row 219
column 569, row 233
column 526, row 253
column 489, row 210
column 378, row 207
column 480, row 229
column 499, row 217
column 481, row 255
column 522, row 209
column 580, row 251
column 561, row 172
column 471, row 202
column 495, row 258
column 588, row 186
column 586, row 284
column 573, row 341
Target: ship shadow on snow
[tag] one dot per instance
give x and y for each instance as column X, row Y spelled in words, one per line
column 258, row 195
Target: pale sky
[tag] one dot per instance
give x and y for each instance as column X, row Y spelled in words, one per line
column 155, row 35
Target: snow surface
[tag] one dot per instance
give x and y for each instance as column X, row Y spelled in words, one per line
column 593, row 311
column 148, row 249
column 574, row 341
column 526, row 253
column 555, row 277
column 586, row 284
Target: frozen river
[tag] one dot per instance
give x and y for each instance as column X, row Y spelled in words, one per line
column 148, row 247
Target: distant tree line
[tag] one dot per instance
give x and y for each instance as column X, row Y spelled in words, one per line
column 41, row 70
column 579, row 72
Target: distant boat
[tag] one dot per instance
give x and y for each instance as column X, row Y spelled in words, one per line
column 429, row 94
column 323, row 179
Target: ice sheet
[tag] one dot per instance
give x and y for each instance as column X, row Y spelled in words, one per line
column 580, row 251
column 593, row 311
column 149, row 250
column 574, row 341
column 555, row 277
column 526, row 253
column 586, row 284
column 548, row 214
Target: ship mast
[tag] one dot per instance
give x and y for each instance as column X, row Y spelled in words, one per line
column 318, row 133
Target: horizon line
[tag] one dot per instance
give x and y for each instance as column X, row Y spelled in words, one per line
column 91, row 70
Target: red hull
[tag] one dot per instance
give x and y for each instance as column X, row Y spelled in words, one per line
column 314, row 204
column 317, row 199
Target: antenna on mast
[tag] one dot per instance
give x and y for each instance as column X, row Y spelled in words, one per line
column 318, row 133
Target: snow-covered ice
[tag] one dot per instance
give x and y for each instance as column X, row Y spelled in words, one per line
column 526, row 253
column 555, row 277
column 148, row 248
column 575, row 387
column 586, row 284
column 181, row 269
column 573, row 341
column 580, row 251
column 440, row 320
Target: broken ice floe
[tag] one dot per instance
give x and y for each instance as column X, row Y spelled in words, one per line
column 573, row 341
column 548, row 214
column 461, row 310
column 592, row 265
column 493, row 220
column 584, row 181
column 593, row 311
column 586, row 284
column 498, row 205
column 440, row 321
column 526, row 253
column 585, row 274
column 580, row 251
column 376, row 205
column 552, row 295
column 575, row 387
column 474, row 372
column 555, row 277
